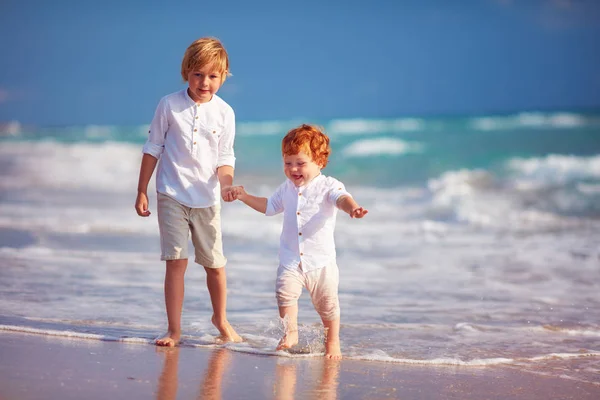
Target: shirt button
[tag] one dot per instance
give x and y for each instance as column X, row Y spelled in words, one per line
column 300, row 234
column 299, row 194
column 194, row 142
column 301, row 254
column 195, row 130
column 298, row 213
column 214, row 131
column 196, row 117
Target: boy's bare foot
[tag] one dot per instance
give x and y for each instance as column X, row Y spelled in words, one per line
column 170, row 339
column 228, row 334
column 332, row 350
column 290, row 339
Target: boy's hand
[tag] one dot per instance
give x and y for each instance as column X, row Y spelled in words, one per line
column 238, row 192
column 141, row 205
column 231, row 193
column 358, row 212
column 226, row 193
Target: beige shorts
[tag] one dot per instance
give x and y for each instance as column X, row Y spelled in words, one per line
column 322, row 284
column 176, row 221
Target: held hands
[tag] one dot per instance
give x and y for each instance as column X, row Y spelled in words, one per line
column 141, row 205
column 358, row 212
column 231, row 193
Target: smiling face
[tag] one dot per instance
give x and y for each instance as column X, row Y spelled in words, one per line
column 300, row 168
column 203, row 83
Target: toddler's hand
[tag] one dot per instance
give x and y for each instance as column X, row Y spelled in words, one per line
column 238, row 192
column 231, row 193
column 358, row 212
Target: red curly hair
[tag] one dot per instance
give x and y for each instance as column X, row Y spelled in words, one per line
column 308, row 139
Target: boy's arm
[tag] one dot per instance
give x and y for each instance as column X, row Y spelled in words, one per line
column 257, row 203
column 225, row 175
column 146, row 171
column 348, row 205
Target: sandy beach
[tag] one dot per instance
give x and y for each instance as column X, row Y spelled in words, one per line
column 41, row 367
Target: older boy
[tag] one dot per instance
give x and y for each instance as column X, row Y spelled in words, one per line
column 192, row 135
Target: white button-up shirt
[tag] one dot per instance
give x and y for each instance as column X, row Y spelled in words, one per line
column 309, row 214
column 191, row 141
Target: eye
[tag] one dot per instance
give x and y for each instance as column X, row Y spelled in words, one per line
column 214, row 76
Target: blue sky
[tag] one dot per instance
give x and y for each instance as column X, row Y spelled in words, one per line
column 109, row 62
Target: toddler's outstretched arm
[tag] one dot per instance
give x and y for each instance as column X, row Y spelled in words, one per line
column 351, row 207
column 257, row 203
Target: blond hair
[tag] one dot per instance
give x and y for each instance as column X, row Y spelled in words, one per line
column 310, row 140
column 202, row 52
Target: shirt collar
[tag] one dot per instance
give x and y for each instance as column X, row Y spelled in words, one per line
column 192, row 102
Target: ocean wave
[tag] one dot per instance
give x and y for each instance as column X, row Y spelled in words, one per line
column 590, row 332
column 369, row 126
column 256, row 345
column 524, row 201
column 554, row 169
column 381, row 146
column 265, row 127
column 73, row 334
column 11, row 128
column 531, row 120
column 107, row 166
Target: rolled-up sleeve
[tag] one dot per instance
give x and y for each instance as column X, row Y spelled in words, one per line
column 275, row 202
column 226, row 154
column 155, row 144
column 337, row 190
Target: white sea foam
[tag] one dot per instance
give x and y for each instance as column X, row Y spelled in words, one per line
column 96, row 132
column 530, row 120
column 73, row 334
column 535, row 195
column 381, row 146
column 555, row 169
column 109, row 166
column 265, row 127
column 11, row 128
column 370, row 126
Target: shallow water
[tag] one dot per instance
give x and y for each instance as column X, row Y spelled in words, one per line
column 472, row 260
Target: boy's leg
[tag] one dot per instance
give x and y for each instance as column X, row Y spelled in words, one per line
column 174, row 290
column 332, row 339
column 323, row 287
column 205, row 226
column 289, row 315
column 216, row 282
column 288, row 290
column 174, row 233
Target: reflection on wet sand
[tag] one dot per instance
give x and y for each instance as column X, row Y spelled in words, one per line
column 167, row 383
column 210, row 388
column 213, row 377
column 284, row 387
column 291, row 378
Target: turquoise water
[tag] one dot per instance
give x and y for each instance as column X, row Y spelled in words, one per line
column 481, row 245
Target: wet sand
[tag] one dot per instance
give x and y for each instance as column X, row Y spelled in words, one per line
column 43, row 367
